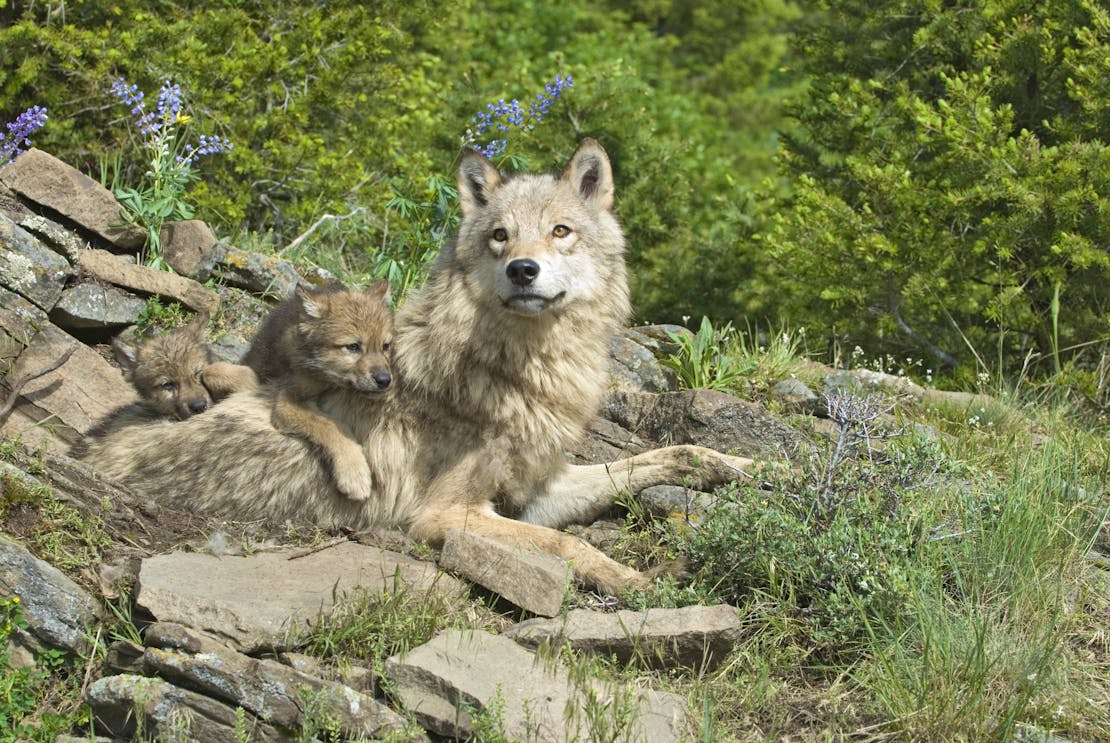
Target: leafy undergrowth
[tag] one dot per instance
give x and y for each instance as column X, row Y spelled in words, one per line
column 925, row 586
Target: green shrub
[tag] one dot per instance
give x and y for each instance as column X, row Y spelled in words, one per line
column 948, row 179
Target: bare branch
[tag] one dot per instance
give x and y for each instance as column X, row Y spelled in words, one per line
column 17, row 385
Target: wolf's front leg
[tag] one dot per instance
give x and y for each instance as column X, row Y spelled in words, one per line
column 338, row 446
column 579, row 494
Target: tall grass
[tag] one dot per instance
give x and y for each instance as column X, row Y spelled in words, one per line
column 982, row 652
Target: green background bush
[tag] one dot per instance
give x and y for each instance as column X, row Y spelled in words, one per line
column 920, row 179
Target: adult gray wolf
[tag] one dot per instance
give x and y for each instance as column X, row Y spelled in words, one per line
column 319, row 339
column 501, row 357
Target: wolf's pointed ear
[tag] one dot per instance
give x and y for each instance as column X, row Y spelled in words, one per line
column 308, row 302
column 591, row 174
column 380, row 290
column 477, row 179
column 198, row 326
column 125, row 357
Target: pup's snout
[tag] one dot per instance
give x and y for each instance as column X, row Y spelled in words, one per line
column 383, row 379
column 197, row 405
column 522, row 271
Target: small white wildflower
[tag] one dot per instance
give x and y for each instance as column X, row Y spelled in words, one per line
column 685, row 319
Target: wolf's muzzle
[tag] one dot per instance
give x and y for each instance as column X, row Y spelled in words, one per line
column 522, row 271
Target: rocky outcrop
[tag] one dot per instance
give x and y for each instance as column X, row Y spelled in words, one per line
column 460, row 674
column 219, row 619
column 697, row 637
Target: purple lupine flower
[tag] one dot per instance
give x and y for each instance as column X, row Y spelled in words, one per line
column 169, row 103
column 18, row 137
column 504, row 116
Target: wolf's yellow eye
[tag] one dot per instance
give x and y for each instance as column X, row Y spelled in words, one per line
column 560, row 230
column 354, row 347
column 500, row 235
column 169, row 386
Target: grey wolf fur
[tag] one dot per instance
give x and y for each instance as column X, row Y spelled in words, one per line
column 504, row 351
column 321, row 339
column 177, row 375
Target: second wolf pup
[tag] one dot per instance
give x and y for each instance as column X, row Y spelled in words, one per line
column 327, row 341
column 177, row 375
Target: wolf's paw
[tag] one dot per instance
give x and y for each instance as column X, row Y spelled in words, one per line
column 712, row 468
column 679, row 569
column 352, row 474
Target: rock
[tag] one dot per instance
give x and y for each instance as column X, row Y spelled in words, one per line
column 29, row 268
column 92, row 305
column 189, row 248
column 668, row 501
column 19, row 321
column 49, row 182
column 634, row 367
column 220, row 595
column 57, row 238
column 125, row 657
column 58, row 408
column 605, row 441
column 262, row 274
column 126, row 704
column 535, row 581
column 703, row 417
column 697, row 637
column 274, row 692
column 115, row 270
column 796, row 396
column 462, row 671
column 657, row 338
column 58, row 611
column 868, row 381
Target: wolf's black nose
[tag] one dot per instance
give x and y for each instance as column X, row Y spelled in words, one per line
column 522, row 271
column 382, row 379
column 198, row 405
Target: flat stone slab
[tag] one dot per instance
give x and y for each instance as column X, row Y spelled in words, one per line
column 125, row 704
column 93, row 305
column 30, row 268
column 535, row 581
column 263, row 601
column 58, row 611
column 698, row 637
column 58, row 408
column 272, row 691
column 535, row 699
column 115, row 270
column 44, row 179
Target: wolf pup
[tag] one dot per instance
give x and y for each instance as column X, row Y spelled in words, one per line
column 327, row 341
column 177, row 375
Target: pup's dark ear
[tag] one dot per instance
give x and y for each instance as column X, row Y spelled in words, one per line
column 591, row 174
column 477, row 180
column 308, row 301
column 198, row 327
column 125, row 357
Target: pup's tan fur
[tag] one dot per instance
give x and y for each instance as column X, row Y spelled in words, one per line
column 177, row 375
column 504, row 351
column 327, row 339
